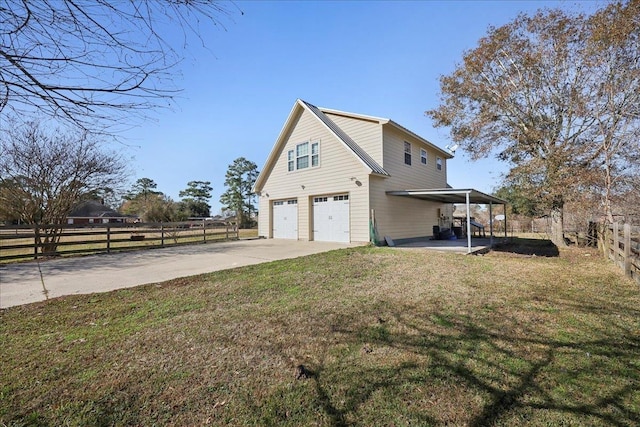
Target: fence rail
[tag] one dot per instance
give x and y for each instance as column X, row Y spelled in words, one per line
column 20, row 242
column 621, row 244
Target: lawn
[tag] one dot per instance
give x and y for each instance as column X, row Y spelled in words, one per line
column 385, row 337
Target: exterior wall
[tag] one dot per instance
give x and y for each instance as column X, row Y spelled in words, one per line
column 367, row 134
column 406, row 217
column 417, row 175
column 339, row 172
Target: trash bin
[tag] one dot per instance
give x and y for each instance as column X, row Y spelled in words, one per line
column 445, row 233
column 458, row 232
column 436, row 232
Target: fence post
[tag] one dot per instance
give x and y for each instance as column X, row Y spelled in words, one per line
column 227, row 231
column 108, row 238
column 35, row 243
column 627, row 250
column 616, row 241
column 204, row 231
column 162, row 234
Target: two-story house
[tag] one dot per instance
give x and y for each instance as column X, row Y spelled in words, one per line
column 344, row 177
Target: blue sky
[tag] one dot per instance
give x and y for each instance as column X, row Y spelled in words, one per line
column 369, row 57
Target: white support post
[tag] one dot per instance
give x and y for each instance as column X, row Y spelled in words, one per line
column 490, row 224
column 468, row 225
column 504, row 207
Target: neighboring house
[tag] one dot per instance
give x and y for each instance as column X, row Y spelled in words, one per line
column 94, row 212
column 344, row 177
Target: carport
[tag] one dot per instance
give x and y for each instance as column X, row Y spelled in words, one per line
column 466, row 196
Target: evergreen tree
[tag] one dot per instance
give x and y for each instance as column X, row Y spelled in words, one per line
column 239, row 198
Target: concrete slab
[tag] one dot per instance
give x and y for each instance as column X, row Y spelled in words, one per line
column 25, row 282
column 478, row 245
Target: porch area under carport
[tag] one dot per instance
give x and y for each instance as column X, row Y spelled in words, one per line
column 458, row 196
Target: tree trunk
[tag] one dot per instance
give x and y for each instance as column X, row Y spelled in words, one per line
column 557, row 224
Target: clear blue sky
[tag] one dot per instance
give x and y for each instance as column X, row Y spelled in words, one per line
column 369, row 57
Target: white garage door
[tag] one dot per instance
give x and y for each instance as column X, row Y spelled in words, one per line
column 285, row 219
column 331, row 218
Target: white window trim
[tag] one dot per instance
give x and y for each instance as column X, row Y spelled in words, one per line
column 439, row 163
column 407, row 144
column 293, row 159
column 424, row 157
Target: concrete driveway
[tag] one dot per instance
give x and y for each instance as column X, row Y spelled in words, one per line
column 23, row 283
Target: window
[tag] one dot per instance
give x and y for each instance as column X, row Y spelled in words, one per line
column 343, row 197
column 438, row 163
column 292, row 202
column 315, row 154
column 423, row 157
column 302, row 155
column 407, row 153
column 290, row 167
column 320, row 199
column 301, row 158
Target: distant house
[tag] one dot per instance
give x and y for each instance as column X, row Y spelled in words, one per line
column 94, row 212
column 345, row 177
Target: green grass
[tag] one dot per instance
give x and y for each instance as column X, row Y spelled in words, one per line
column 388, row 337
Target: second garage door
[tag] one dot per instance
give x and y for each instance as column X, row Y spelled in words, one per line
column 285, row 219
column 331, row 218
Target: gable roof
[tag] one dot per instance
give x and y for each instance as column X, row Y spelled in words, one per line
column 391, row 123
column 346, row 140
column 300, row 106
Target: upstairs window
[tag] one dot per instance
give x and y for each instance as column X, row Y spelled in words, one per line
column 423, row 157
column 407, row 153
column 315, row 154
column 290, row 164
column 302, row 158
column 438, row 163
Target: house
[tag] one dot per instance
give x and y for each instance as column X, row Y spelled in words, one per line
column 345, row 177
column 95, row 212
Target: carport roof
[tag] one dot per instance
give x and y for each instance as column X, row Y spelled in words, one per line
column 450, row 195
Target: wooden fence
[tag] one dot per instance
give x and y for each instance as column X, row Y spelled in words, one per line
column 19, row 242
column 621, row 244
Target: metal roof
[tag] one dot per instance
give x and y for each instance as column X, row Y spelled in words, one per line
column 346, row 139
column 450, row 195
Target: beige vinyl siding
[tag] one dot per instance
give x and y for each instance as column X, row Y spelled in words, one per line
column 366, row 133
column 264, row 217
column 405, row 217
column 401, row 217
column 417, row 175
column 339, row 172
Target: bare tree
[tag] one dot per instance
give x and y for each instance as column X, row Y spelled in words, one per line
column 95, row 62
column 614, row 54
column 44, row 174
column 534, row 93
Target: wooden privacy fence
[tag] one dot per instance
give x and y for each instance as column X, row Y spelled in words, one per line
column 19, row 242
column 621, row 244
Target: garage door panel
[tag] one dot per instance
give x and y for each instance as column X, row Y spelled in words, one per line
column 285, row 219
column 331, row 218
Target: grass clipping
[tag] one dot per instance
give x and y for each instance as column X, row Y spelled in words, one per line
column 363, row 336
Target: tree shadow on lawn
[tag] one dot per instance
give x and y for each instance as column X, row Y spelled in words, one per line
column 518, row 375
column 531, row 247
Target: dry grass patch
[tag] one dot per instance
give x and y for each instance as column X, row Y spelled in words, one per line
column 386, row 338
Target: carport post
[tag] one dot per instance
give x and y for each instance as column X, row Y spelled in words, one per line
column 505, row 220
column 468, row 225
column 490, row 224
